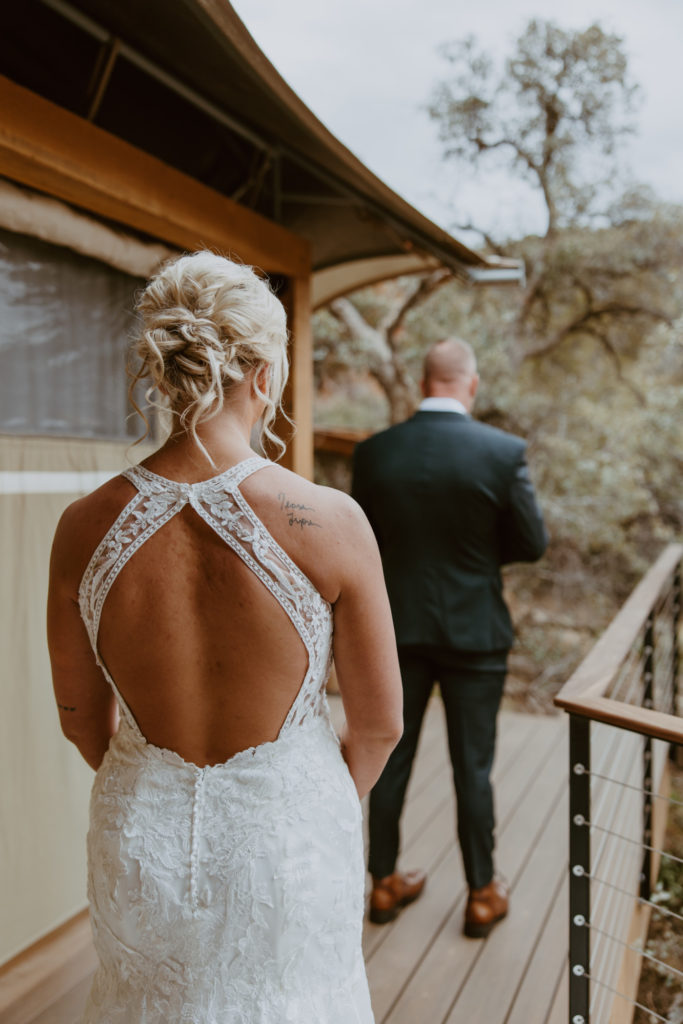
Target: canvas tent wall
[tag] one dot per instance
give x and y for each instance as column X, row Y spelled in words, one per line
column 67, row 319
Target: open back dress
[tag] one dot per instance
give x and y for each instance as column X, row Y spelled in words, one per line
column 231, row 893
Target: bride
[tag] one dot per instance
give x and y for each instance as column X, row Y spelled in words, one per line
column 195, row 602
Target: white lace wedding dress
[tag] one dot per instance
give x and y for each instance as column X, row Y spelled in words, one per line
column 230, row 894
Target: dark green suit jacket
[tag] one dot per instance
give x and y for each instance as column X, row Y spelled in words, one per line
column 450, row 501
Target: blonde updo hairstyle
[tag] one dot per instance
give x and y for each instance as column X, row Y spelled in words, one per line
column 207, row 322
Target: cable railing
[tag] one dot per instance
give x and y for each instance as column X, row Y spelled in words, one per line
column 625, row 721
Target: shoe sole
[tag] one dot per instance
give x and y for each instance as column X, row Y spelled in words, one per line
column 383, row 916
column 480, row 931
column 386, row 916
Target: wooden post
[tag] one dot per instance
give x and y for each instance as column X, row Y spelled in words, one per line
column 579, row 868
column 298, row 397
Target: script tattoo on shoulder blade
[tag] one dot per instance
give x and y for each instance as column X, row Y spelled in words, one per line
column 293, row 510
column 65, row 707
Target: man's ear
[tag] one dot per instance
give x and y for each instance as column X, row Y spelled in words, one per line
column 423, row 387
column 474, row 384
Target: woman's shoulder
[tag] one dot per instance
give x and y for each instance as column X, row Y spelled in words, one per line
column 324, row 530
column 84, row 523
column 305, row 503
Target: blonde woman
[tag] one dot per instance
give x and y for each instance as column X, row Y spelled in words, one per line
column 192, row 608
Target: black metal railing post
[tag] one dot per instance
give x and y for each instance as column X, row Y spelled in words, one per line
column 648, row 690
column 579, row 868
column 675, row 619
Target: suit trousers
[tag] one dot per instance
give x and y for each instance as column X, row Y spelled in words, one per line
column 471, row 698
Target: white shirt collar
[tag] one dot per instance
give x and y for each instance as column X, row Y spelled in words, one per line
column 436, row 404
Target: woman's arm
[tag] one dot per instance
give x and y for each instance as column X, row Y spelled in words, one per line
column 88, row 711
column 365, row 655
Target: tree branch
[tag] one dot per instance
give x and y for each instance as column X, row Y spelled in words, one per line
column 624, row 309
column 583, row 324
column 533, row 292
column 612, row 352
column 483, row 147
column 381, row 360
column 586, row 292
column 371, row 342
column 490, row 242
column 427, row 286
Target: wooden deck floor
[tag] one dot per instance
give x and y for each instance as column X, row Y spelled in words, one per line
column 422, row 970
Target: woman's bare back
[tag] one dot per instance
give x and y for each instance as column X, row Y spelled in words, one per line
column 204, row 655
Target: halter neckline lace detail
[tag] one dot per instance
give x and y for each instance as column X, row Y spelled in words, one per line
column 228, row 479
column 220, row 503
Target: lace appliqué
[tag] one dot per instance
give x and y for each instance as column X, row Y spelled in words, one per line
column 222, row 506
column 233, row 893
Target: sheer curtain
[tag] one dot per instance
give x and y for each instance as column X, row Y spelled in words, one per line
column 65, row 324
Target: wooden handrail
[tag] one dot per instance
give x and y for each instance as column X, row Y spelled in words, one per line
column 646, row 721
column 339, row 442
column 584, row 692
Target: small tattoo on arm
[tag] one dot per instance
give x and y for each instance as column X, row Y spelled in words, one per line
column 291, row 508
column 300, row 521
column 65, row 707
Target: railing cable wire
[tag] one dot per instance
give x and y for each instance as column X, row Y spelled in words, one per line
column 633, row 842
column 634, row 1002
column 669, row 969
column 626, row 892
column 638, row 789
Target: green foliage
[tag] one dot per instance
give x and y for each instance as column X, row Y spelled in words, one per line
column 608, row 285
column 586, row 362
column 605, row 444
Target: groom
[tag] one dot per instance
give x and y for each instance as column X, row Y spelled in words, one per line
column 450, row 501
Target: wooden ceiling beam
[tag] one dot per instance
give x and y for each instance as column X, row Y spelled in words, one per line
column 50, row 149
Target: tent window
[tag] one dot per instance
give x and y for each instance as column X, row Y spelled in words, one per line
column 65, row 325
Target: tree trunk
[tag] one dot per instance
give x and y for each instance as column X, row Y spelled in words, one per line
column 381, row 359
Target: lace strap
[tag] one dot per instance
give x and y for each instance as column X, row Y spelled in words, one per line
column 233, row 519
column 130, row 530
column 95, row 573
column 148, row 482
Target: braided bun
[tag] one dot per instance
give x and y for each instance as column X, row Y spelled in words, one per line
column 206, row 322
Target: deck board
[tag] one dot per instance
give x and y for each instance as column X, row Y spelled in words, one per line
column 68, row 1009
column 493, row 981
column 547, row 964
column 559, row 1011
column 421, row 968
column 428, row 838
column 527, row 794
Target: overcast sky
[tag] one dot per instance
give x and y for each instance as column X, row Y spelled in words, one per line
column 367, row 68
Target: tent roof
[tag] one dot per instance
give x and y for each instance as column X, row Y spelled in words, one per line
column 186, row 82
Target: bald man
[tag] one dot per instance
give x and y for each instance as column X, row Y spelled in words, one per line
column 450, row 502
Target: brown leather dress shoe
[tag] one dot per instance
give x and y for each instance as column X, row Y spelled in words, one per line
column 485, row 908
column 393, row 892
